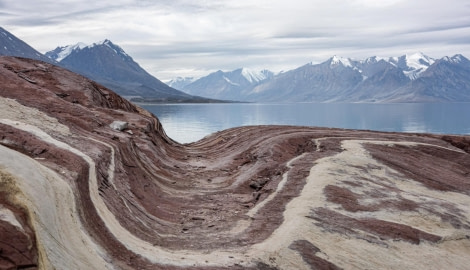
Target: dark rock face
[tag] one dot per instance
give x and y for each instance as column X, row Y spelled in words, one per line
column 86, row 196
column 109, row 65
column 12, row 46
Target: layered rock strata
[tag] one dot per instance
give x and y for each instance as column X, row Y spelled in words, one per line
column 78, row 194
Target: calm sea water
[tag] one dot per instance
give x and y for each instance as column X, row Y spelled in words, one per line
column 190, row 122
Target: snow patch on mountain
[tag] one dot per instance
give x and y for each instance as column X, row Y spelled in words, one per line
column 412, row 64
column 67, row 50
column 417, row 63
column 60, row 53
column 254, row 76
column 108, row 43
column 454, row 59
column 180, row 82
column 373, row 59
column 419, row 60
column 335, row 60
column 230, row 82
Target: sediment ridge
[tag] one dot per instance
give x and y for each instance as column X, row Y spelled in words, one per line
column 78, row 194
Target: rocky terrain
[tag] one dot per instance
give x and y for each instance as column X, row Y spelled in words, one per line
column 78, row 194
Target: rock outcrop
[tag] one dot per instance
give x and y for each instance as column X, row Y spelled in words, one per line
column 77, row 194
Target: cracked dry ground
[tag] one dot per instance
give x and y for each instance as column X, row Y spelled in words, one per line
column 76, row 194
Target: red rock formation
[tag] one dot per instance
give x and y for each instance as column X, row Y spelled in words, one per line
column 77, row 194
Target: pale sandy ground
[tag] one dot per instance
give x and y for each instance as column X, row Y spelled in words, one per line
column 351, row 253
column 64, row 244
column 12, row 110
column 55, row 212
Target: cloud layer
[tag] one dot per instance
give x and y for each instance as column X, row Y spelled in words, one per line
column 192, row 38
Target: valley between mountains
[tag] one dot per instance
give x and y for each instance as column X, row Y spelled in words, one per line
column 78, row 194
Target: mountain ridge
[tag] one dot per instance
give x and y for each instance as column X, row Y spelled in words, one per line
column 104, row 62
column 226, row 84
column 109, row 65
column 407, row 78
column 339, row 79
column 10, row 45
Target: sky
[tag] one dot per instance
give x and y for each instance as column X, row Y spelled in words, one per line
column 171, row 38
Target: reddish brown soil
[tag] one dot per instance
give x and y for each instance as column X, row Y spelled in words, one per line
column 191, row 196
column 308, row 251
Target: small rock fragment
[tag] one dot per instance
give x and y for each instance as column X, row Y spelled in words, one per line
column 119, row 125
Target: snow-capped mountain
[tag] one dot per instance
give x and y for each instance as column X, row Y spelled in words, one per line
column 338, row 60
column 409, row 78
column 256, row 76
column 456, row 59
column 311, row 82
column 447, row 79
column 180, row 82
column 412, row 65
column 108, row 64
column 229, row 85
column 13, row 46
column 59, row 53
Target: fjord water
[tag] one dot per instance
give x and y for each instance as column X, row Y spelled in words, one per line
column 190, row 122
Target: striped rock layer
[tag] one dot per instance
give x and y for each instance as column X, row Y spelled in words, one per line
column 77, row 194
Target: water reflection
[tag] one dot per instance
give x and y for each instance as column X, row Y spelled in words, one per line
column 191, row 122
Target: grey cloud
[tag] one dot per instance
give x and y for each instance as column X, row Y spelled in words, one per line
column 463, row 40
column 438, row 28
column 32, row 21
column 305, row 34
column 168, row 35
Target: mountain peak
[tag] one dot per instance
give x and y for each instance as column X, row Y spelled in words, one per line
column 419, row 58
column 105, row 42
column 336, row 60
column 180, row 82
column 255, row 76
column 60, row 53
column 458, row 58
column 373, row 59
column 416, row 64
column 111, row 45
column 412, row 64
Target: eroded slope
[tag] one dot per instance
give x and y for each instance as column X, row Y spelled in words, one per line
column 77, row 194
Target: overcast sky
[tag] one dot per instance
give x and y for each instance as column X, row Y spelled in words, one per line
column 171, row 38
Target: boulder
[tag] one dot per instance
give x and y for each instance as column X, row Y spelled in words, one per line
column 119, row 125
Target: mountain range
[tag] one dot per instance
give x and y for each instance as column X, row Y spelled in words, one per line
column 105, row 63
column 223, row 85
column 108, row 64
column 408, row 78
